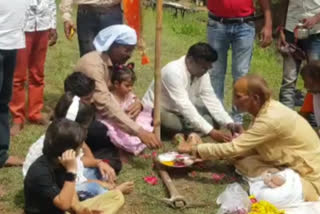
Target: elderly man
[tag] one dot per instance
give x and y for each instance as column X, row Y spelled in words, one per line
column 279, row 137
column 188, row 101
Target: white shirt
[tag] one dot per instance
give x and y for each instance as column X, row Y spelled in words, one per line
column 12, row 16
column 301, row 9
column 35, row 151
column 41, row 15
column 180, row 95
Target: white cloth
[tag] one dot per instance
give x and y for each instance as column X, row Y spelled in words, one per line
column 301, row 9
column 180, row 95
column 288, row 194
column 40, row 15
column 120, row 34
column 12, row 17
column 316, row 108
column 35, row 151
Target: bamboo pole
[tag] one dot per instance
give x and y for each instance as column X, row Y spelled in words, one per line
column 157, row 72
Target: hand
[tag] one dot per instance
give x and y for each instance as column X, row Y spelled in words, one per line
column 266, row 36
column 235, row 128
column 68, row 160
column 69, row 29
column 53, row 36
column 281, row 41
column 107, row 171
column 185, row 147
column 87, row 211
column 310, row 22
column 149, row 139
column 220, row 136
column 134, row 109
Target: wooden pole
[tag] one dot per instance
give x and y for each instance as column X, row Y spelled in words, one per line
column 157, row 72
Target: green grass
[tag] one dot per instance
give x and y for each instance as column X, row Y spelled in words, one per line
column 178, row 34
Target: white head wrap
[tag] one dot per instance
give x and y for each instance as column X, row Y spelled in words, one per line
column 73, row 109
column 121, row 34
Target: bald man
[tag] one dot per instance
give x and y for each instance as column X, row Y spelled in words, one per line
column 279, row 137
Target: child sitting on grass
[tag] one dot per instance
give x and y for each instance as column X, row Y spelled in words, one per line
column 123, row 78
column 49, row 186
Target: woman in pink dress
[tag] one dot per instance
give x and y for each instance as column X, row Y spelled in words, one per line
column 123, row 78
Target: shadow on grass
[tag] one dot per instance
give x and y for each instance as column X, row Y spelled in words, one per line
column 19, row 199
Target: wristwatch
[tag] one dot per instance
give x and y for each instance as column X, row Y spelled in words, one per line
column 70, row 176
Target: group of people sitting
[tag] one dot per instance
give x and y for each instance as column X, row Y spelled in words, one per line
column 99, row 121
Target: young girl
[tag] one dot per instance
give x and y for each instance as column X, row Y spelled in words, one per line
column 123, row 78
column 50, row 187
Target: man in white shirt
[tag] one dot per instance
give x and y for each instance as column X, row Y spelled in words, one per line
column 307, row 13
column 188, row 102
column 12, row 15
column 40, row 31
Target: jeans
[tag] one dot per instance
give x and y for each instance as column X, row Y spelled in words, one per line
column 7, row 65
column 240, row 36
column 88, row 190
column 291, row 67
column 89, row 23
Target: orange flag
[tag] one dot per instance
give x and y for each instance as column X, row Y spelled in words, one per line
column 133, row 15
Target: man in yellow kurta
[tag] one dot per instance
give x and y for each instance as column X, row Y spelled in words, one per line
column 278, row 138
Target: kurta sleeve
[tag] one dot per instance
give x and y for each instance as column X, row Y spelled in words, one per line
column 212, row 103
column 66, row 9
column 104, row 102
column 261, row 132
column 173, row 84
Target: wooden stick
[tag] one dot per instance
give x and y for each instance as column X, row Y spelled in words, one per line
column 157, row 72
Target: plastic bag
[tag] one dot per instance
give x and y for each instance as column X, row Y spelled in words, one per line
column 234, row 200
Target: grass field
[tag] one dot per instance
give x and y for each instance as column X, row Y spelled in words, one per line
column 178, row 34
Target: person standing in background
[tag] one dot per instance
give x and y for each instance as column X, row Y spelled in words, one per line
column 231, row 23
column 92, row 16
column 40, row 30
column 12, row 16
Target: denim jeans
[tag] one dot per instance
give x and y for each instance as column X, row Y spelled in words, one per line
column 89, row 23
column 87, row 190
column 291, row 67
column 7, row 64
column 240, row 36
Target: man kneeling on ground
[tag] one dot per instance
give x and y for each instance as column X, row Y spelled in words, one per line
column 279, row 138
column 188, row 102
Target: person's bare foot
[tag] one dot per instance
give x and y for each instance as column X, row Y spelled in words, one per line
column 16, row 128
column 13, row 161
column 126, row 187
column 44, row 120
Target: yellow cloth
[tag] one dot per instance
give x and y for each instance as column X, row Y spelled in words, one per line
column 109, row 202
column 280, row 138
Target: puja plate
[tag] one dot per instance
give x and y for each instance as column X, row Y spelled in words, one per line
column 175, row 159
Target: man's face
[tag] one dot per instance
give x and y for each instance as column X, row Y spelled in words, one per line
column 311, row 85
column 242, row 101
column 120, row 54
column 199, row 67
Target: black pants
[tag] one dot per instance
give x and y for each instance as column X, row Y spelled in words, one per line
column 101, row 146
column 7, row 64
column 90, row 22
